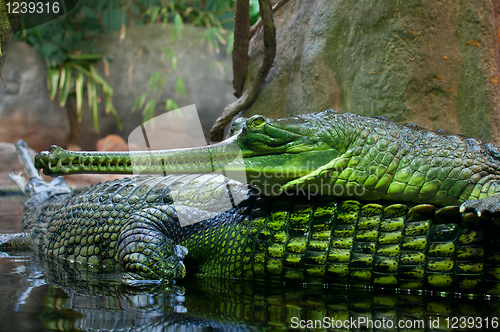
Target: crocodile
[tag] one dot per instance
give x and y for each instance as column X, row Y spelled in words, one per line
column 134, row 223
column 327, row 153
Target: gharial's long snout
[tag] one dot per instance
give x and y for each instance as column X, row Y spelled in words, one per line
column 260, row 151
column 207, row 159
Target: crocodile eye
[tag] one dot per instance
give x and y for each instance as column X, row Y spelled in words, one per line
column 256, row 122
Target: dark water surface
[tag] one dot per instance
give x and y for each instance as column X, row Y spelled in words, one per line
column 56, row 296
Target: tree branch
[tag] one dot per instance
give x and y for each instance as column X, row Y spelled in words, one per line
column 250, row 94
column 258, row 24
column 240, row 46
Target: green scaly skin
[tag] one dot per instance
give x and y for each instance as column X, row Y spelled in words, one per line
column 342, row 155
column 133, row 223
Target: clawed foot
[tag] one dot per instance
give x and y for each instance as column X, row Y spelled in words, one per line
column 143, row 269
column 489, row 206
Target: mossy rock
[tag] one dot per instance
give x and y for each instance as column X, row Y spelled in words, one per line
column 433, row 63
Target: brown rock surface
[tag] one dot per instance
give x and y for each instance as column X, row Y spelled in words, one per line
column 26, row 111
column 433, row 63
column 112, row 142
column 207, row 78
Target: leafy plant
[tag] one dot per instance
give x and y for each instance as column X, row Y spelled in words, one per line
column 67, row 46
column 156, row 85
column 70, row 78
column 178, row 12
column 70, row 53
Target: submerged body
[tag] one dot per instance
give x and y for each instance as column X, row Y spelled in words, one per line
column 341, row 155
column 134, row 223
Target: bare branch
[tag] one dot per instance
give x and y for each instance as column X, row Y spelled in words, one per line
column 240, row 46
column 258, row 24
column 250, row 94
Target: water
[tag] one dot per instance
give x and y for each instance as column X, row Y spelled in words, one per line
column 54, row 296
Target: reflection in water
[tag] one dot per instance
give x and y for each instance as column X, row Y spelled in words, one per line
column 57, row 296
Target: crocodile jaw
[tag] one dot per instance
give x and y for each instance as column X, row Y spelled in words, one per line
column 266, row 171
column 207, row 159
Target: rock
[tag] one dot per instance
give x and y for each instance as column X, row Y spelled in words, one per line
column 207, row 78
column 112, row 143
column 26, row 111
column 73, row 147
column 432, row 63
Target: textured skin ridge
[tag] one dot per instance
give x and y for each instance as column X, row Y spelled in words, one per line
column 135, row 225
column 351, row 243
column 405, row 162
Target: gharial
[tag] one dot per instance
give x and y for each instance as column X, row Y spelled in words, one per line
column 134, row 222
column 327, row 153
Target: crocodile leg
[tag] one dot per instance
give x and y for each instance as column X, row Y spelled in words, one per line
column 488, row 206
column 38, row 192
column 487, row 199
column 146, row 252
column 314, row 178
